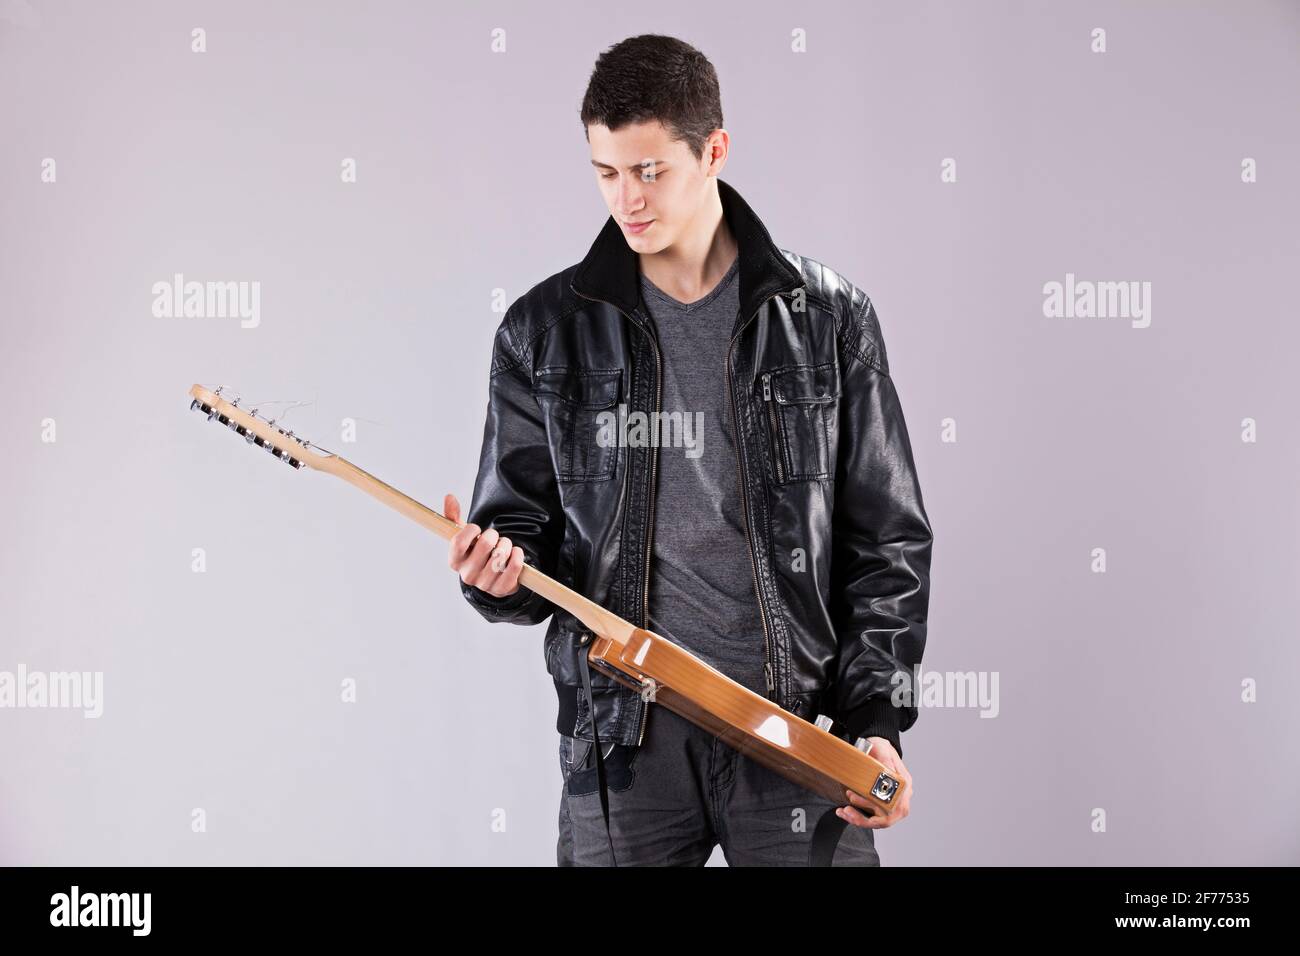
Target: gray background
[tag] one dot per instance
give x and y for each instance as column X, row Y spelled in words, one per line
column 1120, row 691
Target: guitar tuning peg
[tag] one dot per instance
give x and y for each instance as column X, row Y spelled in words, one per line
column 823, row 722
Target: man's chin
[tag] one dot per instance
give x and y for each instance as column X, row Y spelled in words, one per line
column 645, row 244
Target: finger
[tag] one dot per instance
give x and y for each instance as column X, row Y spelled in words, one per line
column 451, row 508
column 507, row 581
column 477, row 560
column 903, row 772
column 857, row 819
column 904, row 805
column 460, row 544
column 500, row 555
column 891, row 762
column 857, row 800
column 909, row 789
column 878, row 818
column 510, row 576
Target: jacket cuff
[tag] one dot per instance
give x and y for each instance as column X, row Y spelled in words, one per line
column 496, row 607
column 874, row 717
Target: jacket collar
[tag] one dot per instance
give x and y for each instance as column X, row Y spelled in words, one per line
column 610, row 269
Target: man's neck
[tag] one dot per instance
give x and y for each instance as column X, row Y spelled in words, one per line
column 690, row 268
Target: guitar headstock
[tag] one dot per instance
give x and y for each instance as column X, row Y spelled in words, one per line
column 259, row 432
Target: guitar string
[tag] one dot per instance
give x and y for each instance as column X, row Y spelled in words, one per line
column 250, row 406
column 292, row 403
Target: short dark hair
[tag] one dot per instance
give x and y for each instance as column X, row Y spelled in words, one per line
column 653, row 77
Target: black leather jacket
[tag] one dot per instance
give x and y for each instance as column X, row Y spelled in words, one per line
column 839, row 538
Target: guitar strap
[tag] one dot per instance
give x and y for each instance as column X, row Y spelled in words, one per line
column 600, row 761
column 826, row 837
column 826, row 833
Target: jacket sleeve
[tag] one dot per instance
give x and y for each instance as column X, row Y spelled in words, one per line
column 881, row 542
column 515, row 489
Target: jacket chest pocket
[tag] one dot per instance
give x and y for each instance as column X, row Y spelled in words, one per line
column 800, row 404
column 581, row 419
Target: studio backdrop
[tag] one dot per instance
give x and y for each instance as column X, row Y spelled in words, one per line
column 1077, row 223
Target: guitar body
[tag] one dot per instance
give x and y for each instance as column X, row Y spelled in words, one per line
column 745, row 721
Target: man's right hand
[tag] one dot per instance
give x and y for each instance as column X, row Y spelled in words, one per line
column 485, row 560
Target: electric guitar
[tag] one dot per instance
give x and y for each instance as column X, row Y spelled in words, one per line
column 805, row 752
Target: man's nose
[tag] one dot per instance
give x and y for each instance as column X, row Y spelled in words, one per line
column 629, row 193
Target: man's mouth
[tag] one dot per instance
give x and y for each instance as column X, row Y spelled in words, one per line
column 637, row 226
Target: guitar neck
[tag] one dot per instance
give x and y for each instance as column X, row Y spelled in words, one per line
column 602, row 622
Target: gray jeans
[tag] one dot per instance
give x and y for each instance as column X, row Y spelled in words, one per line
column 681, row 793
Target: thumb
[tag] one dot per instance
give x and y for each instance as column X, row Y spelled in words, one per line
column 451, row 508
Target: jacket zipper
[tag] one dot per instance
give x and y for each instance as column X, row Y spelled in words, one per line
column 744, row 491
column 778, row 452
column 654, row 460
column 650, row 532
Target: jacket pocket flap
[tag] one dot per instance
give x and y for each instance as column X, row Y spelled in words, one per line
column 803, row 384
column 585, row 387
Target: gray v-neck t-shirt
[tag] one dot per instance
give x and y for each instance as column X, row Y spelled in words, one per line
column 701, row 575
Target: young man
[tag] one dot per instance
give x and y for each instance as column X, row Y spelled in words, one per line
column 698, row 430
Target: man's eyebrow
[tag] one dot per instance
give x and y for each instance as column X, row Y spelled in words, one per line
column 634, row 166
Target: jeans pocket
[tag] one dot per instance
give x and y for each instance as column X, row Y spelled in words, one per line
column 578, row 765
column 573, row 752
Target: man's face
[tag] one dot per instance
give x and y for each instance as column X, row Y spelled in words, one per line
column 648, row 177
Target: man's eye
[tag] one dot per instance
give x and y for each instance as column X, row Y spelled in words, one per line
column 608, row 175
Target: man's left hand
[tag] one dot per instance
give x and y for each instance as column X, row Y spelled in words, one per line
column 883, row 751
